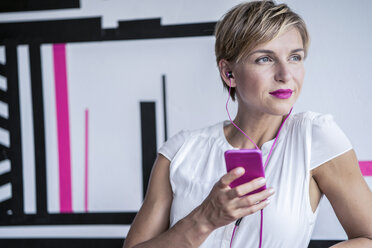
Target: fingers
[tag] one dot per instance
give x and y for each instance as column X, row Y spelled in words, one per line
column 246, row 188
column 230, row 177
column 254, row 199
column 226, row 204
column 254, row 208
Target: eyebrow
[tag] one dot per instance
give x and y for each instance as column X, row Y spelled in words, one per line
column 272, row 52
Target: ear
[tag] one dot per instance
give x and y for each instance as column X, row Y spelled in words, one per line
column 225, row 67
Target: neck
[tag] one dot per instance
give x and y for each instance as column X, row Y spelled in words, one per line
column 260, row 127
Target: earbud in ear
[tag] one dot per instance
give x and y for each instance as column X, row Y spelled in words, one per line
column 229, row 74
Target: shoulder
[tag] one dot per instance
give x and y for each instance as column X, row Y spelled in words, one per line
column 311, row 117
column 170, row 148
column 328, row 140
column 311, row 122
column 321, row 135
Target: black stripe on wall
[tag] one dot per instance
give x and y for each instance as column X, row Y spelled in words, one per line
column 2, row 69
column 148, row 133
column 4, row 123
column 30, row 5
column 90, row 29
column 323, row 243
column 164, row 86
column 3, row 96
column 54, row 31
column 5, row 206
column 15, row 129
column 39, row 131
column 70, row 219
column 152, row 28
column 61, row 243
column 5, row 178
column 4, row 153
column 103, row 243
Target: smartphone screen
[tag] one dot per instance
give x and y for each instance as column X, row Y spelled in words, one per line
column 251, row 161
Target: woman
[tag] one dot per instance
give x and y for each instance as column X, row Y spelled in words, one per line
column 260, row 48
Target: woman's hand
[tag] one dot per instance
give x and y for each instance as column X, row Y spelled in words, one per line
column 225, row 205
column 222, row 206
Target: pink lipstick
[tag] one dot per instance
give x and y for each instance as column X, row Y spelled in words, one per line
column 282, row 93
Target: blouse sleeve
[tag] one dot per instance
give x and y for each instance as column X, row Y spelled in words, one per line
column 172, row 145
column 328, row 140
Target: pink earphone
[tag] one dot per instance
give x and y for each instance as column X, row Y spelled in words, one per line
column 237, row 223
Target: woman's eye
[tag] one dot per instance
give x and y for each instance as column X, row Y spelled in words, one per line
column 263, row 60
column 296, row 58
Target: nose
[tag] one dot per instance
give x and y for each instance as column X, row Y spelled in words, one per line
column 283, row 73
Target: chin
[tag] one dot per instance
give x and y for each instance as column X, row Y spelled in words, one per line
column 280, row 110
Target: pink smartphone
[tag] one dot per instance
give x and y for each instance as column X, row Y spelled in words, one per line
column 251, row 161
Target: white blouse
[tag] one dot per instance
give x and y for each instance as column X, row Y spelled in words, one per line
column 306, row 141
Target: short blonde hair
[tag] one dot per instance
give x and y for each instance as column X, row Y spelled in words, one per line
column 250, row 24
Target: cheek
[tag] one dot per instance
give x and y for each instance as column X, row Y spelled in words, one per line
column 299, row 76
column 249, row 84
column 299, row 79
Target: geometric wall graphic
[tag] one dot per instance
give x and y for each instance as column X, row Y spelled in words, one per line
column 32, row 5
column 52, row 95
column 366, row 167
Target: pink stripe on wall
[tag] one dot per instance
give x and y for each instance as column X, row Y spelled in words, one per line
column 63, row 127
column 86, row 158
column 366, row 167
